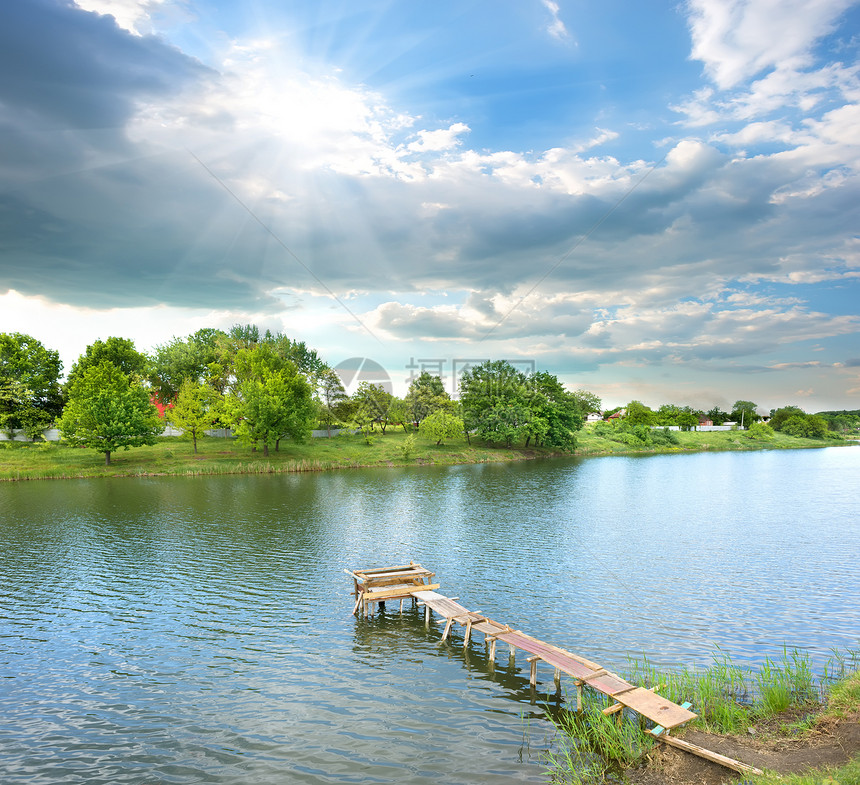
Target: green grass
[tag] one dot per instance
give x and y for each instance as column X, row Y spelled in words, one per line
column 849, row 774
column 729, row 697
column 843, row 699
column 590, row 443
column 174, row 456
column 592, row 748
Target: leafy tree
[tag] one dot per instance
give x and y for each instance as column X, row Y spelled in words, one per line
column 441, row 426
column 332, row 397
column 588, row 402
column 687, row 418
column 183, row 358
column 374, row 405
column 193, row 409
column 667, row 414
column 118, row 351
column 30, row 396
column 272, row 400
column 107, row 410
column 483, row 388
column 223, row 374
column 717, row 416
column 807, row 426
column 745, row 412
column 779, row 416
column 554, row 413
column 400, row 412
column 840, row 423
column 426, row 395
column 639, row 414
column 504, row 423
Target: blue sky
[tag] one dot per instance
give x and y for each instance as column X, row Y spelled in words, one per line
column 651, row 201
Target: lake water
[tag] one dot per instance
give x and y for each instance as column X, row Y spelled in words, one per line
column 199, row 630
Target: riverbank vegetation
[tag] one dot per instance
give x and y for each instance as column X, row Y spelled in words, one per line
column 757, row 713
column 177, row 456
column 270, row 392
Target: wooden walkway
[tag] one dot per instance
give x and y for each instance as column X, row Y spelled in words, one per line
column 584, row 672
column 412, row 581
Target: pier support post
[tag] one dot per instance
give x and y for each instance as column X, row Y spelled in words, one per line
column 579, row 683
column 533, row 661
column 468, row 634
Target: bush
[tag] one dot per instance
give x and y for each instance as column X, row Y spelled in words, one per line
column 759, row 430
column 408, row 446
column 806, row 426
column 664, row 437
column 603, row 429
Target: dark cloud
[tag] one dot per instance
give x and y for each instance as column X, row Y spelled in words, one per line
column 62, row 67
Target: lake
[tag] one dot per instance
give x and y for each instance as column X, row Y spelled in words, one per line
column 172, row 630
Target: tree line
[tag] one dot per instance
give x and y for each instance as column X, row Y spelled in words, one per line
column 266, row 387
column 791, row 420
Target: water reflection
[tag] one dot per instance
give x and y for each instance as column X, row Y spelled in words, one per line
column 174, row 630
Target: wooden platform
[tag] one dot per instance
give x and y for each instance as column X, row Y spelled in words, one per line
column 412, row 581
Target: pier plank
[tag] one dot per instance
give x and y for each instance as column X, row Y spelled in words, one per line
column 408, row 581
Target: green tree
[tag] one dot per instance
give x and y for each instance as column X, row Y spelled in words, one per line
column 193, row 410
column 223, row 375
column 108, row 410
column 504, row 423
column 744, row 412
column 183, row 358
column 717, row 416
column 272, row 400
column 487, row 386
column 374, row 405
column 778, row 417
column 30, row 396
column 667, row 414
column 426, row 395
column 441, row 426
column 588, row 402
column 118, row 351
column 687, row 418
column 555, row 415
column 399, row 412
column 639, row 414
column 332, row 397
column 808, row 426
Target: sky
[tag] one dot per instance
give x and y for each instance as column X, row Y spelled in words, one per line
column 652, row 201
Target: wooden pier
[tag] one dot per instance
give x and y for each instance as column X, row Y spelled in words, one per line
column 412, row 581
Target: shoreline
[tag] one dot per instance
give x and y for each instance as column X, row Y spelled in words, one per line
column 173, row 456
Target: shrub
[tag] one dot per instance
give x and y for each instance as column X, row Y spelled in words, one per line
column 759, row 430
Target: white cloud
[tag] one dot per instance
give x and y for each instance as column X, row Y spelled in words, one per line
column 441, row 139
column 738, row 39
column 556, row 27
column 137, row 16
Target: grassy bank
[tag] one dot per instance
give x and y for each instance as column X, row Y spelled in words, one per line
column 175, row 457
column 781, row 699
column 590, row 442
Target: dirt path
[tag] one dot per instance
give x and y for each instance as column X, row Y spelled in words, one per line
column 830, row 743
